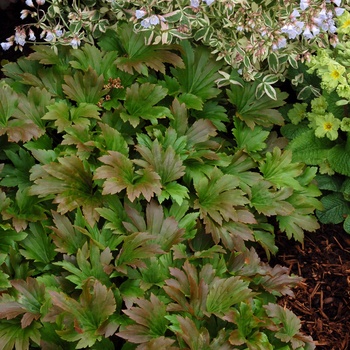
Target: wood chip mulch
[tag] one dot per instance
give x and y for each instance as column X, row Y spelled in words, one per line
column 322, row 300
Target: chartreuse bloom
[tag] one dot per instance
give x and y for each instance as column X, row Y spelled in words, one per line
column 327, row 125
column 333, row 76
column 343, row 91
column 344, row 23
column 345, row 124
column 297, row 113
column 319, row 105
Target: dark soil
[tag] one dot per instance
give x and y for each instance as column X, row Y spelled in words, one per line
column 322, row 300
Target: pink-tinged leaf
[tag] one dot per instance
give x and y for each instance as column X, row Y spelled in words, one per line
column 164, row 162
column 189, row 289
column 120, row 174
column 88, row 316
column 150, row 320
column 70, row 180
column 278, row 281
column 289, row 325
column 158, row 343
column 226, row 292
column 137, row 247
column 10, row 309
column 196, row 339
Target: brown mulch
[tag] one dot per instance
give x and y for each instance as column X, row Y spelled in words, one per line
column 322, row 300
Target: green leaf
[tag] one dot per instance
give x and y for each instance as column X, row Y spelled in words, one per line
column 200, row 72
column 270, row 202
column 70, row 181
column 189, row 288
column 137, row 55
column 191, row 101
column 218, row 199
column 84, row 87
column 339, row 159
column 149, row 318
column 66, row 237
column 174, row 191
column 336, row 208
column 136, row 247
column 38, row 245
column 249, row 140
column 8, row 103
column 165, row 162
column 26, row 122
column 224, row 293
column 310, row 149
column 66, row 115
column 279, row 169
column 256, row 111
column 91, row 262
column 140, row 101
column 17, row 175
column 91, row 56
column 13, row 336
column 90, row 314
column 290, row 326
column 120, row 174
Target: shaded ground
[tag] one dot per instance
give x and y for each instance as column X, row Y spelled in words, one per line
column 322, row 301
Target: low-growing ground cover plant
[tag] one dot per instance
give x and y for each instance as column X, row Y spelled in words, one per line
column 134, row 194
column 260, row 38
column 319, row 125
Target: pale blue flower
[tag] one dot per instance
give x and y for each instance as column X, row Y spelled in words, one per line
column 31, row 35
column 209, row 2
column 307, row 33
column 49, row 36
column 195, row 3
column 6, row 45
column 154, row 20
column 146, row 23
column 337, row 2
column 304, row 4
column 140, row 13
column 339, row 11
column 58, row 32
column 75, row 42
column 29, row 3
column 40, row 2
column 20, row 37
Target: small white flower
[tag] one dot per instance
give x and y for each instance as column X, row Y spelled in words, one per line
column 140, row 13
column 31, row 35
column 24, row 14
column 209, row 2
column 6, row 45
column 75, row 42
column 30, row 3
column 154, row 20
column 295, row 14
column 337, row 2
column 40, row 2
column 20, row 37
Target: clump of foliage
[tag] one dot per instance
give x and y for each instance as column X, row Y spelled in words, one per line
column 254, row 36
column 133, row 195
column 319, row 126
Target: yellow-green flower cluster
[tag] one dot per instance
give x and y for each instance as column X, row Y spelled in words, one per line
column 327, row 125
